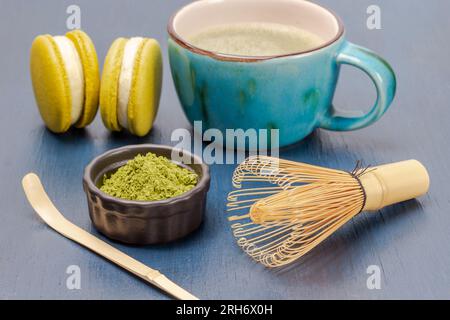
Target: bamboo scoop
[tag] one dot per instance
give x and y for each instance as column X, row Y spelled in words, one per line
column 41, row 203
column 301, row 205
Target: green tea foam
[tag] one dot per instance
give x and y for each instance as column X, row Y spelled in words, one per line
column 255, row 39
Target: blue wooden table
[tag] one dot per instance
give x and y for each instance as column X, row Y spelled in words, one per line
column 409, row 242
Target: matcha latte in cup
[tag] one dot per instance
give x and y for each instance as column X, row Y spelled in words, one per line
column 269, row 64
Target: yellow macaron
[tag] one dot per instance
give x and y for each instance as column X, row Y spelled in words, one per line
column 66, row 79
column 131, row 85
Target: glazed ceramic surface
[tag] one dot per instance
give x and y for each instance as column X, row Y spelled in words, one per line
column 292, row 93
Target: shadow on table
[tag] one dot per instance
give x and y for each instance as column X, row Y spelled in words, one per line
column 353, row 241
column 53, row 152
column 317, row 149
column 76, row 137
column 185, row 242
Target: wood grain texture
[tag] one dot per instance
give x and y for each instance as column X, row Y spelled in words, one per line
column 409, row 241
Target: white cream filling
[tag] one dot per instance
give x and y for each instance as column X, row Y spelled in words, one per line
column 125, row 79
column 74, row 69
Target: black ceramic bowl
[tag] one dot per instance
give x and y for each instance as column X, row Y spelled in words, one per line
column 139, row 222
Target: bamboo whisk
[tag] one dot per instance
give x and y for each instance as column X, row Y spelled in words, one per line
column 289, row 207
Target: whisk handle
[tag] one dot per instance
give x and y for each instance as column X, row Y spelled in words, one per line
column 393, row 183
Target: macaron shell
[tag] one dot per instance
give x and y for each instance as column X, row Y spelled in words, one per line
column 89, row 60
column 109, row 85
column 145, row 88
column 50, row 84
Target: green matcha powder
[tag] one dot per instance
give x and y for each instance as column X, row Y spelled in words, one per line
column 149, row 178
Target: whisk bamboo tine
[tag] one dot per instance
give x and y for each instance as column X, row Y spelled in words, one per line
column 237, row 218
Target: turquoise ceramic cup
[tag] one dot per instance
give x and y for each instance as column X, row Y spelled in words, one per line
column 292, row 93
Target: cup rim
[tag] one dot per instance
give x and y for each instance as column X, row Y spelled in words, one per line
column 239, row 58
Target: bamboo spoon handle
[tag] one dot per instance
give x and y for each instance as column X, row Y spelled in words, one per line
column 44, row 207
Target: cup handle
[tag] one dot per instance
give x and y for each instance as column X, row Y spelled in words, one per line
column 382, row 76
